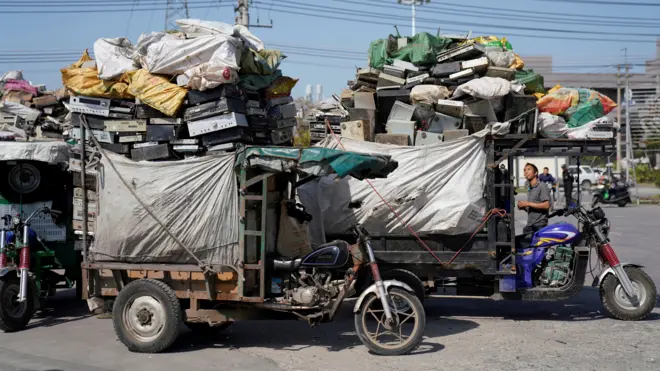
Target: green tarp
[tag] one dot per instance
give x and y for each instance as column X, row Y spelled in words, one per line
column 316, row 161
column 421, row 49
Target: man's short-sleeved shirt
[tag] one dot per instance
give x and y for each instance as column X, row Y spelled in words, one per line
column 537, row 194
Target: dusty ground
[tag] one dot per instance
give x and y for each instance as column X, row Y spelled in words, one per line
column 460, row 334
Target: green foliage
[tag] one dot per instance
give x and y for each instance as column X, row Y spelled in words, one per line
column 647, row 175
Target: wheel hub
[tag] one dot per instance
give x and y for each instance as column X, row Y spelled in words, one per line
column 623, row 300
column 144, row 316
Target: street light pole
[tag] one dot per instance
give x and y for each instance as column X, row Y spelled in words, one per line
column 414, row 4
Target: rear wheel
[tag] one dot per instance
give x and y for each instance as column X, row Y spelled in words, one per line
column 402, row 335
column 14, row 316
column 622, row 203
column 616, row 302
column 147, row 316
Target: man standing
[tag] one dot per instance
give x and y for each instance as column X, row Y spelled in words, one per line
column 568, row 179
column 550, row 181
column 538, row 201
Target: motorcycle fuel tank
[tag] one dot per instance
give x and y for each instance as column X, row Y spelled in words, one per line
column 556, row 234
column 333, row 255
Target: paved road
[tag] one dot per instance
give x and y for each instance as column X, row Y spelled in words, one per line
column 461, row 334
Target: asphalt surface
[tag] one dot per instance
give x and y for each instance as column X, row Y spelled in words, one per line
column 461, row 334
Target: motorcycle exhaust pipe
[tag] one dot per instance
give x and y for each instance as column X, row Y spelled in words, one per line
column 3, row 252
column 24, row 267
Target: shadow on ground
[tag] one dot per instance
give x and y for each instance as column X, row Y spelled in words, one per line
column 61, row 309
column 297, row 336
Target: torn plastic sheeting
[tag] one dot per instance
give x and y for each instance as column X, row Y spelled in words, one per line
column 169, row 56
column 552, row 126
column 192, row 26
column 258, row 82
column 19, row 85
column 207, row 76
column 317, row 161
column 435, row 189
column 54, row 152
column 197, row 199
column 114, row 57
column 281, row 87
column 264, row 62
column 85, row 81
column 484, row 88
column 157, row 92
column 26, row 113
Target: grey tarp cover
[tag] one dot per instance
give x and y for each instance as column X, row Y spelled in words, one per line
column 195, row 198
column 436, row 188
column 50, row 152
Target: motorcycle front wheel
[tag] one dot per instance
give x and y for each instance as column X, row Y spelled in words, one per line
column 399, row 337
column 616, row 302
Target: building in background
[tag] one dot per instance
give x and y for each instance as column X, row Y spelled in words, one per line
column 645, row 89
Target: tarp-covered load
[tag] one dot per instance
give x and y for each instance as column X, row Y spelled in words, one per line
column 436, row 189
column 197, row 199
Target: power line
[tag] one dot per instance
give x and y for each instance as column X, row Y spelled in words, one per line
column 535, row 36
column 78, row 11
column 468, row 24
column 475, row 13
column 600, row 2
column 532, row 12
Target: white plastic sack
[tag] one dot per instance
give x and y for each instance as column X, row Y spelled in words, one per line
column 145, row 40
column 552, row 126
column 585, row 131
column 436, row 189
column 114, row 57
column 198, row 26
column 484, row 88
column 26, row 113
column 428, row 94
column 197, row 199
column 12, row 75
column 169, row 56
column 208, row 76
column 499, row 57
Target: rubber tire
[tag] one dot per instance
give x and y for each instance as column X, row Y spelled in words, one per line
column 409, row 278
column 174, row 317
column 11, row 324
column 39, row 194
column 609, row 303
column 622, row 203
column 417, row 338
column 586, row 185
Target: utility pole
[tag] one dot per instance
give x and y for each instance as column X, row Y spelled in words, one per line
column 629, row 144
column 175, row 9
column 618, row 118
column 414, row 4
column 243, row 16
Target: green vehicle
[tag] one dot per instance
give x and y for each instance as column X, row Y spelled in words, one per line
column 37, row 254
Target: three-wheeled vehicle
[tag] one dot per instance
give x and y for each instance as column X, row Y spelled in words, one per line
column 37, row 254
column 550, row 265
column 151, row 300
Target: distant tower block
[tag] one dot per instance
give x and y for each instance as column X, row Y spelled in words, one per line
column 308, row 93
column 319, row 92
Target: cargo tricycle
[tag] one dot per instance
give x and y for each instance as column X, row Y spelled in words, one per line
column 152, row 300
column 551, row 264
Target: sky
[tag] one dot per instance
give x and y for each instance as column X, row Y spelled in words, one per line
column 325, row 40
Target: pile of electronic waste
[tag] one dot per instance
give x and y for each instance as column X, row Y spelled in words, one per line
column 429, row 89
column 205, row 88
column 30, row 111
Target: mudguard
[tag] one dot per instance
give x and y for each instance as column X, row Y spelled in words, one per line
column 598, row 280
column 6, row 270
column 373, row 290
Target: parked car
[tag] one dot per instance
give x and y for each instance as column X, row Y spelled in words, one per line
column 588, row 176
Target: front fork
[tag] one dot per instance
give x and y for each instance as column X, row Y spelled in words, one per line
column 608, row 255
column 24, row 266
column 379, row 283
column 3, row 251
